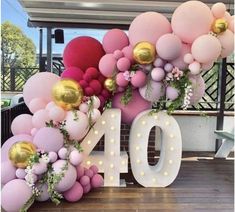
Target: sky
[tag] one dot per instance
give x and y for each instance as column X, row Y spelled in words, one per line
column 12, row 11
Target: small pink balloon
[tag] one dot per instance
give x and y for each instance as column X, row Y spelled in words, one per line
column 89, row 173
column 159, row 62
column 75, row 193
column 169, row 46
column 139, row 79
column 62, row 153
column 53, row 157
column 22, row 124
column 94, row 115
column 207, row 66
column 226, row 40
column 80, row 171
column 227, row 16
column 118, row 54
column 39, row 168
column 128, row 53
column 206, row 48
column 195, row 68
column 86, row 189
column 123, row 64
column 120, row 89
column 107, row 65
column 34, row 131
column 8, row 172
column 121, row 81
column 20, row 173
column 172, row 93
column 75, row 158
column 218, row 10
column 158, row 74
column 168, row 67
column 83, row 107
column 37, row 104
column 94, row 168
column 40, row 118
column 188, row 58
column 84, row 180
column 56, row 114
column 50, row 105
column 44, row 195
column 115, row 39
column 97, row 181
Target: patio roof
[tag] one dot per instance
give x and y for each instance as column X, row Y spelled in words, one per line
column 96, row 13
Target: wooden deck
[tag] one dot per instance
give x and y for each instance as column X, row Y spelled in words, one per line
column 203, row 184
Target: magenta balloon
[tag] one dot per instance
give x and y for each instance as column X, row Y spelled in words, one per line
column 190, row 20
column 22, row 124
column 153, row 91
column 49, row 139
column 107, row 65
column 169, row 46
column 37, row 104
column 206, row 48
column 75, row 193
column 33, row 87
column 40, row 118
column 128, row 53
column 179, row 62
column 15, row 194
column 72, row 73
column 44, row 195
column 69, row 178
column 130, row 110
column 8, row 172
column 115, row 39
column 172, row 93
column 218, row 10
column 7, row 145
column 226, row 40
column 148, row 26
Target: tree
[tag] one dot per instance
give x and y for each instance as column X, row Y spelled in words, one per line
column 17, row 50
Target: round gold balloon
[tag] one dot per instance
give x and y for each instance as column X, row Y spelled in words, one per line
column 20, row 152
column 110, row 84
column 220, row 25
column 67, row 94
column 144, row 53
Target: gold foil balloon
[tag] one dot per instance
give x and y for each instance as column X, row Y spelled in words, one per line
column 144, row 53
column 110, row 84
column 67, row 94
column 20, row 152
column 220, row 25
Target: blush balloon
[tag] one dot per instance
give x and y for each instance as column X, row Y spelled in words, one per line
column 207, row 66
column 226, row 40
column 107, row 65
column 84, row 107
column 75, row 158
column 56, row 114
column 172, row 93
column 218, row 10
column 37, row 104
column 188, row 58
column 158, row 74
column 8, row 172
column 121, row 81
column 168, row 67
column 22, row 124
column 195, row 68
column 40, row 118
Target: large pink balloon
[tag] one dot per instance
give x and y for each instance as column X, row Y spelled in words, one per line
column 107, row 65
column 206, row 48
column 226, row 40
column 190, row 20
column 169, row 46
column 8, row 172
column 15, row 194
column 40, row 85
column 75, row 193
column 14, row 139
column 115, row 39
column 148, row 26
column 131, row 110
column 22, row 124
column 40, row 118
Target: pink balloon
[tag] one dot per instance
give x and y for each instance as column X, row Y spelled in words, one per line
column 227, row 16
column 94, row 115
column 226, row 40
column 115, row 39
column 44, row 195
column 39, row 168
column 169, row 46
column 34, row 88
column 207, row 66
column 75, row 193
column 158, row 74
column 139, row 79
column 15, row 194
column 94, row 168
column 52, row 156
column 172, row 93
column 80, row 171
column 195, row 68
column 50, row 105
column 40, row 118
column 22, row 124
column 56, row 114
column 168, row 67
column 159, row 62
column 188, row 58
column 107, row 65
column 231, row 25
column 86, row 189
column 72, row 73
column 75, row 158
column 218, row 10
column 128, row 53
column 7, row 145
column 84, row 180
column 34, row 131
column 8, row 172
column 84, row 107
column 89, row 173
column 121, row 81
column 190, row 20
column 48, row 139
column 179, row 62
column 97, row 181
column 118, row 54
column 206, row 48
column 130, row 110
column 123, row 64
column 37, row 104
column 69, row 178
column 148, row 26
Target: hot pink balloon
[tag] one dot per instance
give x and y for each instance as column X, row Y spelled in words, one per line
column 34, row 88
column 130, row 110
column 8, row 172
column 56, row 114
column 226, row 40
column 169, row 46
column 190, row 20
column 218, row 10
column 139, row 79
column 72, row 73
column 148, row 26
column 22, row 124
column 206, row 48
column 107, row 65
column 128, row 53
column 37, row 104
column 75, row 193
column 94, row 168
column 115, row 39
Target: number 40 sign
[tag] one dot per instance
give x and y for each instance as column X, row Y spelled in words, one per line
column 112, row 161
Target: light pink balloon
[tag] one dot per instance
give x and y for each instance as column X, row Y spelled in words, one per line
column 34, row 131
column 20, row 173
column 75, row 157
column 52, row 156
column 148, row 26
column 22, row 124
column 128, row 53
column 56, row 114
column 179, row 62
column 227, row 16
column 75, row 193
column 84, row 107
column 218, row 10
column 39, row 168
column 169, row 46
column 231, row 25
column 159, row 62
column 172, row 93
column 168, row 67
column 50, row 105
column 44, row 195
column 206, row 48
column 7, row 172
column 37, row 104
column 48, row 139
column 115, row 39
column 107, row 65
column 226, row 40
column 40, row 118
column 207, row 66
column 157, row 74
column 94, row 115
column 190, row 20
column 123, row 64
column 188, row 58
column 195, row 68
column 40, row 85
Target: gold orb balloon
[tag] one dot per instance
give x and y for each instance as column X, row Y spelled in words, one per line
column 20, row 152
column 67, row 94
column 220, row 25
column 110, row 84
column 144, row 52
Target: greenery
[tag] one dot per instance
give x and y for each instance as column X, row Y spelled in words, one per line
column 28, row 204
column 127, row 96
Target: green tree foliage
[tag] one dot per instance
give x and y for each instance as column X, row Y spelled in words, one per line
column 17, row 50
